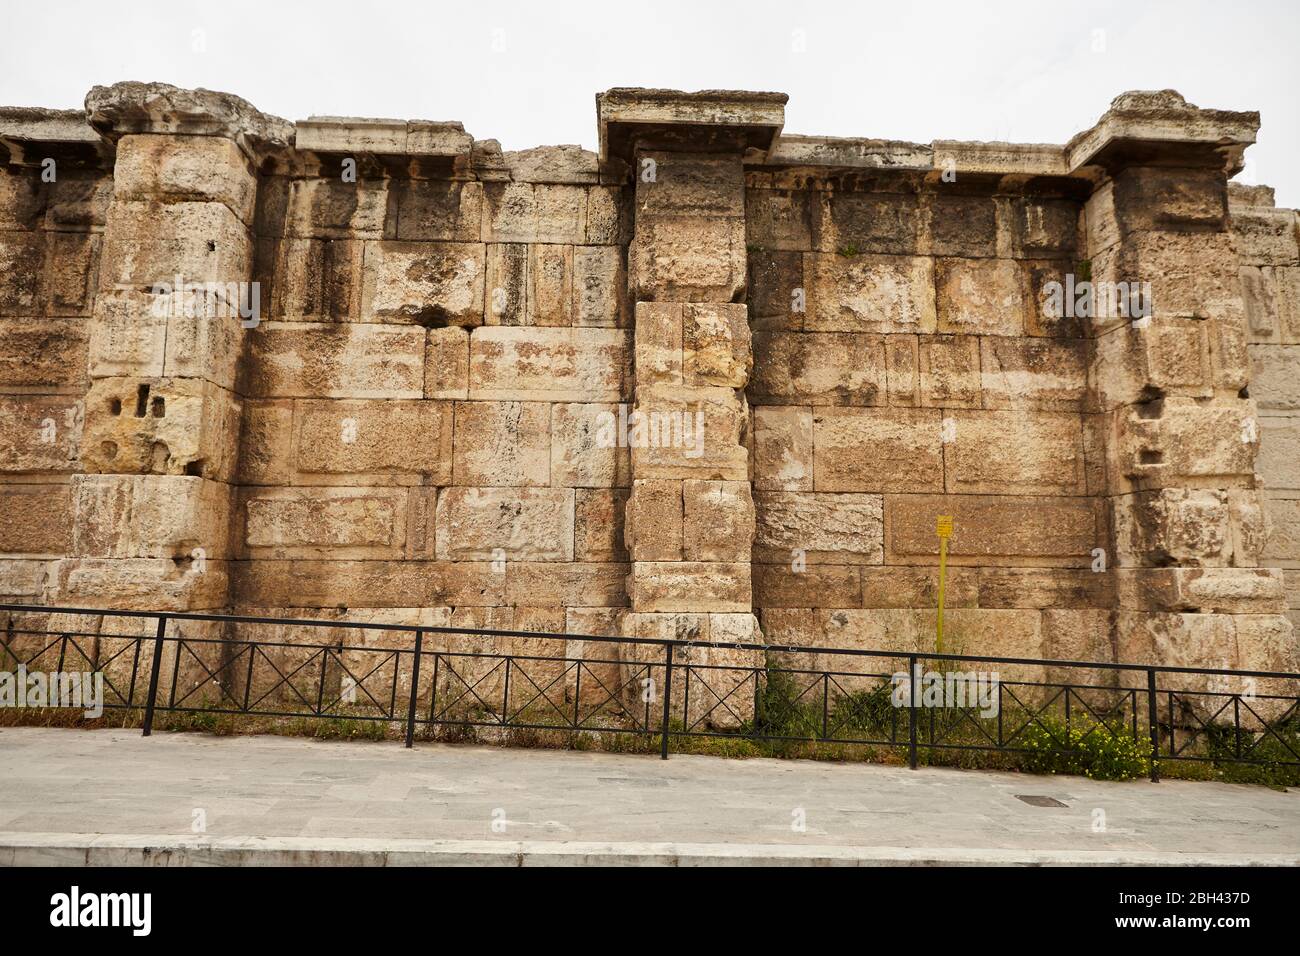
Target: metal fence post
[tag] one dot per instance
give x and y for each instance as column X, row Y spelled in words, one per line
column 1154, row 726
column 415, row 685
column 668, row 695
column 153, row 674
column 911, row 711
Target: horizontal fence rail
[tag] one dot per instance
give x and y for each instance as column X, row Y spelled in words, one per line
column 429, row 679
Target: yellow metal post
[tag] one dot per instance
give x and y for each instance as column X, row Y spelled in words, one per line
column 943, row 528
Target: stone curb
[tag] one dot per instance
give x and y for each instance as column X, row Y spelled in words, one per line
column 73, row 849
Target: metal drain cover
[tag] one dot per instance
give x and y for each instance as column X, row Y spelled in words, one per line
column 1036, row 801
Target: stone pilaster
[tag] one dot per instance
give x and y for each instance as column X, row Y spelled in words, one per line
column 1173, row 388
column 689, row 523
column 174, row 309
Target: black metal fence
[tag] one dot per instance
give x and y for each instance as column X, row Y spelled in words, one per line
column 429, row 677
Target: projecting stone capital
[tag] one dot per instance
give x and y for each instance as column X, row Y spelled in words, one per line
column 1157, row 127
column 707, row 121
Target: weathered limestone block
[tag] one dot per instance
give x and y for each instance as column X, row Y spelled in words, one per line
column 506, row 284
column 598, row 524
column 903, row 447
column 1272, row 300
column 822, row 528
column 1042, row 532
column 1275, row 376
column 1041, row 373
column 965, row 226
column 397, row 442
column 1283, row 542
column 653, row 522
column 23, row 197
column 266, row 443
column 521, row 524
column 832, row 368
column 527, row 212
column 783, row 448
column 70, row 270
column 150, row 516
column 332, row 209
column 430, row 283
column 817, row 585
column 1162, row 198
column 1170, row 356
column 869, row 293
column 690, row 586
column 46, row 352
column 950, row 371
column 777, row 295
column 541, row 364
column 658, row 343
column 1015, row 451
column 357, row 584
column 438, row 210
column 982, row 297
column 313, row 279
column 608, row 216
column 21, row 279
column 689, row 433
column 695, row 260
column 780, row 219
column 446, row 363
column 168, row 426
column 716, row 347
column 185, row 168
column 307, row 360
column 156, row 584
column 1035, row 587
column 1192, row 275
column 502, row 443
column 689, row 185
column 1264, row 236
column 550, row 285
column 1166, row 442
column 870, row 222
column 38, row 521
column 1202, row 590
column 889, row 586
column 718, row 520
column 903, row 370
column 585, row 450
column 24, row 580
column 571, row 584
column 148, row 243
column 599, row 282
column 1279, row 452
column 336, row 523
column 40, row 433
column 1041, row 228
column 1189, row 527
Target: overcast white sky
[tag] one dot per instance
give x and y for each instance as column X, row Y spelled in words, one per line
column 527, row 73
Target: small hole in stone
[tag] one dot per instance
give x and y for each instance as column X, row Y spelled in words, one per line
column 115, row 406
column 212, row 246
column 1244, row 393
column 1152, row 409
column 1149, row 456
column 108, row 449
column 194, row 468
column 158, row 408
column 141, row 400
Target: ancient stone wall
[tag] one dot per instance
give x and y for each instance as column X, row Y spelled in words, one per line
column 714, row 382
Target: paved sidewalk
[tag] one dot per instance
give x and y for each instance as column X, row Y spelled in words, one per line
column 105, row 796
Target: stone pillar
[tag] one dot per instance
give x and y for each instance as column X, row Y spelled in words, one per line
column 1173, row 389
column 162, row 413
column 689, row 524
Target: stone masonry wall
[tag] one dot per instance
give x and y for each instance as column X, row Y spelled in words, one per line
column 432, row 417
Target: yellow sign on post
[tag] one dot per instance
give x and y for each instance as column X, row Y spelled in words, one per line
column 943, row 528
